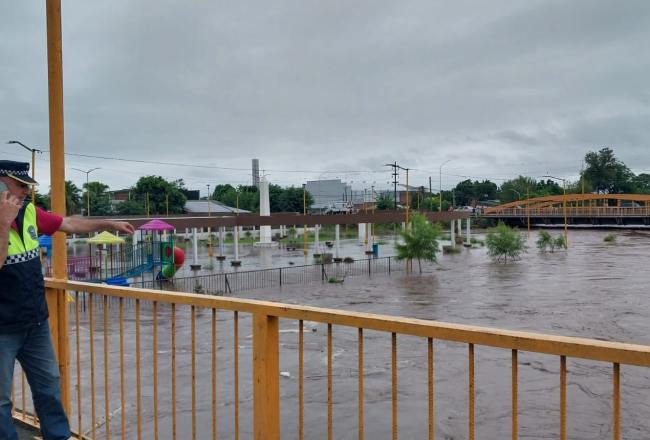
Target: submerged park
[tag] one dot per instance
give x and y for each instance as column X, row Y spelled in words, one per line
column 338, row 293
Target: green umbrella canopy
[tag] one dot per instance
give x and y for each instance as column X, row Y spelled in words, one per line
column 105, row 238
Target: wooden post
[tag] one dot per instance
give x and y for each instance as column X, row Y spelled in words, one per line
column 266, row 377
column 57, row 297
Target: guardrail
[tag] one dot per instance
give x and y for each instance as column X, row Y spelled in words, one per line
column 161, row 369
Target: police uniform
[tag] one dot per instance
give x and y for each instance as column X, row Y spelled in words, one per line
column 24, row 330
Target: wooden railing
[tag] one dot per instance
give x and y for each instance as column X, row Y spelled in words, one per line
column 149, row 355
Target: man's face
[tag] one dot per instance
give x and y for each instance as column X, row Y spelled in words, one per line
column 16, row 188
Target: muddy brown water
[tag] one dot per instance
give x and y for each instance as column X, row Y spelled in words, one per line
column 594, row 290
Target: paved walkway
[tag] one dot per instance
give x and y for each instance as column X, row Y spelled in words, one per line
column 26, row 434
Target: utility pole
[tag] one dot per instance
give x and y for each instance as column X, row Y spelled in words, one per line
column 395, row 174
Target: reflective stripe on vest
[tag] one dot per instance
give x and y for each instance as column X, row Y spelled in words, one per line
column 25, row 249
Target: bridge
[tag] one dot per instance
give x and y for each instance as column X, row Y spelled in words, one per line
column 577, row 210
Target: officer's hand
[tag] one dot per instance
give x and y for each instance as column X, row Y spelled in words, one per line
column 9, row 208
column 125, row 227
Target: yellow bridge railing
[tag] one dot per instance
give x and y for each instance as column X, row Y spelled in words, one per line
column 151, row 364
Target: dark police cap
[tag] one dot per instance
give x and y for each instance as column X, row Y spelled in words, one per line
column 17, row 170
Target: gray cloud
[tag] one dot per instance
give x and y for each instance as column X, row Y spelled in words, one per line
column 333, row 88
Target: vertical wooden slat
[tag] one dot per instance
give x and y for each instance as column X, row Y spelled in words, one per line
column 122, row 378
column 78, row 357
column 301, row 381
column 107, row 402
column 154, row 312
column 266, row 377
column 360, row 393
column 173, row 371
column 515, row 395
column 138, row 380
column 562, row 397
column 430, row 381
column 59, row 314
column 330, row 433
column 393, row 345
column 91, row 333
column 214, row 374
column 193, row 324
column 616, row 402
column 471, row 393
column 236, row 372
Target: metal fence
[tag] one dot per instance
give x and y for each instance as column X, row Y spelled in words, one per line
column 229, row 282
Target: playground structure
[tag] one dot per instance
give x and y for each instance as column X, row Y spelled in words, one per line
column 113, row 261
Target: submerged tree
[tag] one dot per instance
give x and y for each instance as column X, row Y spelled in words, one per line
column 420, row 241
column 545, row 242
column 504, row 242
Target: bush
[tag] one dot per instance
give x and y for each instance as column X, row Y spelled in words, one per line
column 545, row 242
column 610, row 238
column 504, row 242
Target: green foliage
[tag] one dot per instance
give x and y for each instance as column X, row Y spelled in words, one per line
column 523, row 187
column 43, row 201
column 131, row 207
column 100, row 198
column 606, row 174
column 159, row 192
column 544, row 241
column 246, row 197
column 73, row 201
column 559, row 242
column 384, row 201
column 468, row 193
column 420, row 241
column 504, row 243
column 610, row 238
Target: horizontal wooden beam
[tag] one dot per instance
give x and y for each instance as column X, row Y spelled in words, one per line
column 629, row 354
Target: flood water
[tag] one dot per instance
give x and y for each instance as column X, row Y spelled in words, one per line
column 594, row 290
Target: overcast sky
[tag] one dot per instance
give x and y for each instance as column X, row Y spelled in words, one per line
column 331, row 89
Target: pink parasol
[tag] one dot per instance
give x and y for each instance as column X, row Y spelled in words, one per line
column 156, row 225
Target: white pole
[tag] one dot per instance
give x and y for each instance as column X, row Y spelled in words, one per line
column 195, row 247
column 468, row 233
column 460, row 228
column 316, row 240
column 453, row 234
column 221, row 228
column 236, row 236
column 337, row 239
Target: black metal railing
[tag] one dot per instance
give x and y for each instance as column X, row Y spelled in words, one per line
column 238, row 281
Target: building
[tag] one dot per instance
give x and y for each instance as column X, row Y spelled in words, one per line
column 328, row 193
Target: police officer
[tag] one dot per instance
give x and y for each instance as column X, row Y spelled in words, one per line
column 24, row 330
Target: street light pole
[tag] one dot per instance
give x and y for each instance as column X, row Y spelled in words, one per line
column 87, row 189
column 566, row 227
column 33, row 151
column 209, row 228
column 440, row 174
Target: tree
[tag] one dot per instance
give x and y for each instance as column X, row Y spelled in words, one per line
column 384, row 201
column 468, row 193
column 100, row 199
column 420, row 241
column 131, row 207
column 158, row 193
column 546, row 241
column 504, row 242
column 73, row 201
column 642, row 184
column 606, row 174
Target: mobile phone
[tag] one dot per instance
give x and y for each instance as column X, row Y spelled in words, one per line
column 3, row 187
